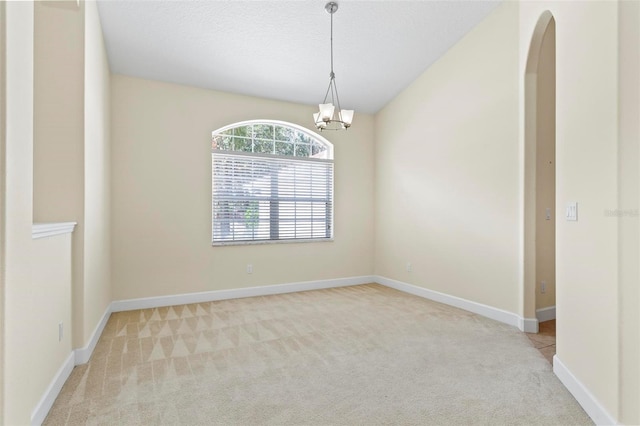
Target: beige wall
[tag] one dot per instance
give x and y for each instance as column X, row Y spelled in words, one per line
column 3, row 100
column 546, row 171
column 18, row 210
column 97, row 175
column 628, row 196
column 586, row 137
column 447, row 171
column 58, row 154
column 38, row 274
column 37, row 292
column 161, row 195
column 71, row 147
column 46, row 302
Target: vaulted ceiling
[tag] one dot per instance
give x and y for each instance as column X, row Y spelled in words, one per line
column 280, row 49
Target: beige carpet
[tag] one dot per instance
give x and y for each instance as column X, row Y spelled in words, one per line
column 363, row 355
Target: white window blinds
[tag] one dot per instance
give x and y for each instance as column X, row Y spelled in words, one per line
column 265, row 197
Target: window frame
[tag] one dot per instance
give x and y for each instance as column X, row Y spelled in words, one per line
column 316, row 139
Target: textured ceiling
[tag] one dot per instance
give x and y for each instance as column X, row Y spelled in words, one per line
column 280, row 49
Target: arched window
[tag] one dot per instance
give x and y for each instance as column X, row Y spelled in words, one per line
column 271, row 181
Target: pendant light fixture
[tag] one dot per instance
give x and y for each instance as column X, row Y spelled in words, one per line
column 327, row 118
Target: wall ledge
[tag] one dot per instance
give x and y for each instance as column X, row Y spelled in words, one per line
column 43, row 230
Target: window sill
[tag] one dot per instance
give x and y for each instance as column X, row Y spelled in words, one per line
column 262, row 242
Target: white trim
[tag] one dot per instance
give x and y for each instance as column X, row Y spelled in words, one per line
column 231, row 153
column 468, row 305
column 259, row 242
column 82, row 355
column 528, row 325
column 589, row 403
column 41, row 410
column 546, row 314
column 42, row 230
column 210, row 296
column 310, row 133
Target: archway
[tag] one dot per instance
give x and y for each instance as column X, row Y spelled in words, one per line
column 539, row 179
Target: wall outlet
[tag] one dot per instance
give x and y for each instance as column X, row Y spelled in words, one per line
column 249, row 268
column 543, row 287
column 409, row 267
column 60, row 331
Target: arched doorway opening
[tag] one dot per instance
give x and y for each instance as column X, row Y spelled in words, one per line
column 540, row 174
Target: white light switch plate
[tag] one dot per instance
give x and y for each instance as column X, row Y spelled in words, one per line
column 572, row 211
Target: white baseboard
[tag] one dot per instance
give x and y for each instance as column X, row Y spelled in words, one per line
column 210, row 296
column 82, row 355
column 528, row 325
column 589, row 403
column 48, row 398
column 546, row 314
column 477, row 308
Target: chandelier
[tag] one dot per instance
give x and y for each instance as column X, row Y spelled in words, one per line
column 327, row 118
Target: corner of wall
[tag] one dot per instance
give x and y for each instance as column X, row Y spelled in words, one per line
column 3, row 137
column 96, row 289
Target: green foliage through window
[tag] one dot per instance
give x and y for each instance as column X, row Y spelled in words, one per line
column 271, row 139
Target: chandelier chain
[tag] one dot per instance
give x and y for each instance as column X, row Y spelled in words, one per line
column 331, row 75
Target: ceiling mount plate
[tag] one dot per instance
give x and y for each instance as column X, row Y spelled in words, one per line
column 331, row 7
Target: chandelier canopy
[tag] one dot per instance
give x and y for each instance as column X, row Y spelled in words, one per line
column 328, row 118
